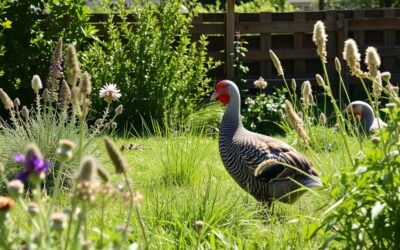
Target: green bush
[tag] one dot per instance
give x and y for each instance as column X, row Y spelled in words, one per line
column 262, row 112
column 251, row 6
column 54, row 116
column 36, row 25
column 160, row 71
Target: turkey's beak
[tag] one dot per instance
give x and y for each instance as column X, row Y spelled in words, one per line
column 214, row 95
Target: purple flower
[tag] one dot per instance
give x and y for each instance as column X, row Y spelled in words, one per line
column 33, row 165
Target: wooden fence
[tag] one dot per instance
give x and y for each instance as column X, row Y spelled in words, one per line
column 289, row 35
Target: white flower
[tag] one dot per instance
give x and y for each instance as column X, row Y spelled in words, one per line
column 260, row 83
column 249, row 101
column 110, row 92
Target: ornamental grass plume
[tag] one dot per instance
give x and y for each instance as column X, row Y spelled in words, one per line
column 116, row 157
column 386, row 76
column 296, row 122
column 260, row 83
column 17, row 102
column 46, row 95
column 322, row 119
column 294, row 85
column 103, row 174
column 65, row 94
column 6, row 100
column 86, row 84
column 86, row 183
column 373, row 62
column 72, row 65
column 36, row 83
column 320, row 38
column 320, row 80
column 338, row 65
column 377, row 87
column 352, row 57
column 119, row 109
column 277, row 63
column 307, row 96
column 55, row 70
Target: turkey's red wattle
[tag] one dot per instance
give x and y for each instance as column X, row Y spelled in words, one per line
column 224, row 99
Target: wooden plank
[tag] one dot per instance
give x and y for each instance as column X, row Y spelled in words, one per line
column 281, row 27
column 229, row 39
column 265, row 45
column 202, row 28
column 300, row 65
column 389, row 39
column 359, row 35
column 374, row 24
column 283, row 54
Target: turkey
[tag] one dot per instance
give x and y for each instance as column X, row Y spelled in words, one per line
column 242, row 152
column 364, row 112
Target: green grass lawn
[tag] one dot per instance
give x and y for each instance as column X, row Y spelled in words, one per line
column 183, row 180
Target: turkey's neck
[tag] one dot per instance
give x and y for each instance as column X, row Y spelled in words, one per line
column 231, row 120
column 367, row 117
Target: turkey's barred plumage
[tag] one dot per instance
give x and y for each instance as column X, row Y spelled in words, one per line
column 242, row 151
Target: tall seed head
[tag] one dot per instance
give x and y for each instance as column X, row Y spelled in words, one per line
column 277, row 63
column 6, row 100
column 386, row 76
column 17, row 102
column 320, row 38
column 306, row 92
column 119, row 109
column 116, row 157
column 87, row 172
column 65, row 93
column 322, row 119
column 377, row 86
column 320, row 80
column 352, row 57
column 338, row 65
column 36, row 83
column 86, row 84
column 25, row 112
column 46, row 95
column 294, row 85
column 103, row 174
column 373, row 61
column 296, row 122
column 72, row 65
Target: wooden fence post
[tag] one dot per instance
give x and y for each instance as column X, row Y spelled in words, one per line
column 229, row 39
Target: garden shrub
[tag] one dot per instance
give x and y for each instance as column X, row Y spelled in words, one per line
column 262, row 112
column 36, row 25
column 56, row 114
column 160, row 71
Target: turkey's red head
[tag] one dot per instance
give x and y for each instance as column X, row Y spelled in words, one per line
column 222, row 92
column 356, row 109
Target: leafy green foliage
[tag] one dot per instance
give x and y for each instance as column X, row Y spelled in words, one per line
column 261, row 114
column 35, row 25
column 366, row 211
column 361, row 4
column 160, row 71
column 251, row 6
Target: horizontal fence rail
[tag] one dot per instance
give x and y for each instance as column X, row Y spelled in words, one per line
column 289, row 35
